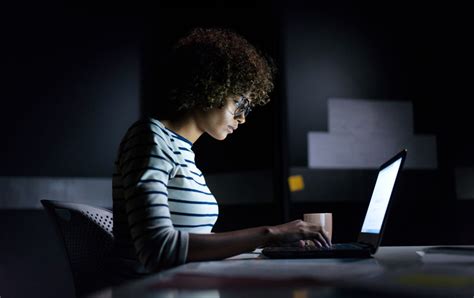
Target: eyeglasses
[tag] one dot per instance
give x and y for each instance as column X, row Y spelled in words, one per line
column 243, row 107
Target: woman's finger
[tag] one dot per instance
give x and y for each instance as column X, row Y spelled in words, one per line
column 326, row 236
column 322, row 240
column 317, row 243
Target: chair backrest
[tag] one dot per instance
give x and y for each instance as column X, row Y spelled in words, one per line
column 86, row 232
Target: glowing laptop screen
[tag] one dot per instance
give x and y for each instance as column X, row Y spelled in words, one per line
column 380, row 197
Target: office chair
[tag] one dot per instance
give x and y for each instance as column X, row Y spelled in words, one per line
column 86, row 232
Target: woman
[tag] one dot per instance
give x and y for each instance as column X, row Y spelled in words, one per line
column 163, row 210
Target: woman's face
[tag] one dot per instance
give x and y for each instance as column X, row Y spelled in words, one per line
column 218, row 123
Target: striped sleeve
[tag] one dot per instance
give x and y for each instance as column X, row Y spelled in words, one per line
column 146, row 166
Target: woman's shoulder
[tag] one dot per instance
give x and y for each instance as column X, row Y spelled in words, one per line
column 147, row 123
column 148, row 129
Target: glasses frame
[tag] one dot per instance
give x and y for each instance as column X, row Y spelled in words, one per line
column 243, row 107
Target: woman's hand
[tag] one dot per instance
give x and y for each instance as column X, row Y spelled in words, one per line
column 299, row 233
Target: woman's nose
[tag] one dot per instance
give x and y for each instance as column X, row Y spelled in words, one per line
column 241, row 119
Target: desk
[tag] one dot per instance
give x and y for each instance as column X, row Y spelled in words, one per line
column 392, row 272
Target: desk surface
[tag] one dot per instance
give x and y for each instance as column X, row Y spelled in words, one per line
column 392, row 272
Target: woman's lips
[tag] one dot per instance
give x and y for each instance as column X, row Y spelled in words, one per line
column 231, row 130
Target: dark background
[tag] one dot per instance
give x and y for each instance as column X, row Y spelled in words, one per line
column 74, row 77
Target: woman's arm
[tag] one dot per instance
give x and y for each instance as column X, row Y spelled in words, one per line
column 223, row 245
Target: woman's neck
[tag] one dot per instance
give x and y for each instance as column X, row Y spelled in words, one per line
column 185, row 127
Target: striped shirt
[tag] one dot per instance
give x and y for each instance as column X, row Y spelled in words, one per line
column 159, row 197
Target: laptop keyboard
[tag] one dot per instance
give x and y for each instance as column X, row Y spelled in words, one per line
column 338, row 246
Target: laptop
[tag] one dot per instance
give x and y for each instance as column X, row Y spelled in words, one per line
column 371, row 233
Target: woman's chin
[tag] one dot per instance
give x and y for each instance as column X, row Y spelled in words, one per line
column 220, row 137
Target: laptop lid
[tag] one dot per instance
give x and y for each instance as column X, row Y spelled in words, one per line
column 376, row 216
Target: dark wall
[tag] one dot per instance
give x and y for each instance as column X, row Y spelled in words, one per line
column 70, row 88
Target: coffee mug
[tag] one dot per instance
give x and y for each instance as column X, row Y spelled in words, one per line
column 323, row 220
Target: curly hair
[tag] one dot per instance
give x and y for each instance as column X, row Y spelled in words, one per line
column 210, row 64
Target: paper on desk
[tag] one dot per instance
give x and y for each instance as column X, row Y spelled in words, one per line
column 448, row 255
